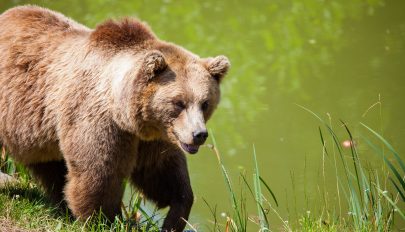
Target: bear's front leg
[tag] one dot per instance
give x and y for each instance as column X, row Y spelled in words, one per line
column 161, row 174
column 97, row 164
column 91, row 189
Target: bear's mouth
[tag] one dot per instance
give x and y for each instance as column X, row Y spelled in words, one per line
column 190, row 148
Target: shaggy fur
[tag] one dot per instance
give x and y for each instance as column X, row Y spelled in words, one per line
column 84, row 109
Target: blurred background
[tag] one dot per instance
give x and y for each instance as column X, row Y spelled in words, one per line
column 343, row 60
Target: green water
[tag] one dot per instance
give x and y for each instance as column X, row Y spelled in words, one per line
column 336, row 58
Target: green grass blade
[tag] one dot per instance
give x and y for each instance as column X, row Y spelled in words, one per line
column 392, row 203
column 379, row 205
column 323, row 141
column 265, row 219
column 390, row 165
column 213, row 213
column 398, row 189
column 248, row 186
column 397, row 157
column 394, row 170
column 334, row 137
column 258, row 194
column 235, row 205
column 355, row 206
column 269, row 189
column 148, row 219
column 355, row 160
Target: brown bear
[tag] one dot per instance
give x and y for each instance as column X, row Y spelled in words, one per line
column 84, row 109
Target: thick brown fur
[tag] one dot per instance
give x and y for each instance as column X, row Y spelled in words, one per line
column 84, row 109
column 121, row 34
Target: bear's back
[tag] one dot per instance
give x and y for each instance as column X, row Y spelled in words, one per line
column 29, row 34
column 30, row 37
column 37, row 18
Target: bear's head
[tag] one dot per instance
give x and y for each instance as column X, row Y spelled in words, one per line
column 185, row 92
column 160, row 90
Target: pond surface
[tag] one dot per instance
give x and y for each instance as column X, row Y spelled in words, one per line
column 336, row 58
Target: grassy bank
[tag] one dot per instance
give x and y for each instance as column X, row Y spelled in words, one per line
column 369, row 199
column 23, row 207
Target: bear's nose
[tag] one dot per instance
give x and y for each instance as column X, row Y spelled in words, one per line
column 199, row 137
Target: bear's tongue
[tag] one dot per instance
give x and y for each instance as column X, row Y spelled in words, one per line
column 192, row 149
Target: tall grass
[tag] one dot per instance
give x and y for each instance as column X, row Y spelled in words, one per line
column 371, row 204
column 239, row 220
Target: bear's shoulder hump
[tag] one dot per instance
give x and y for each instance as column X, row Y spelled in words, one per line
column 121, row 34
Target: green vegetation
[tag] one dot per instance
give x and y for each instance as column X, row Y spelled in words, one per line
column 369, row 200
column 371, row 207
column 24, row 206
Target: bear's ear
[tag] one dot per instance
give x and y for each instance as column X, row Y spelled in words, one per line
column 153, row 64
column 218, row 67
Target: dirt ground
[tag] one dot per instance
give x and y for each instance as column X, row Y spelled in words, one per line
column 8, row 226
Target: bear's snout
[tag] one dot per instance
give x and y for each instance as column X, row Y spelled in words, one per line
column 199, row 137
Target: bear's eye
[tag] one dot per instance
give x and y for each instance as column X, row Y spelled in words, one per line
column 204, row 105
column 217, row 77
column 159, row 71
column 179, row 105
